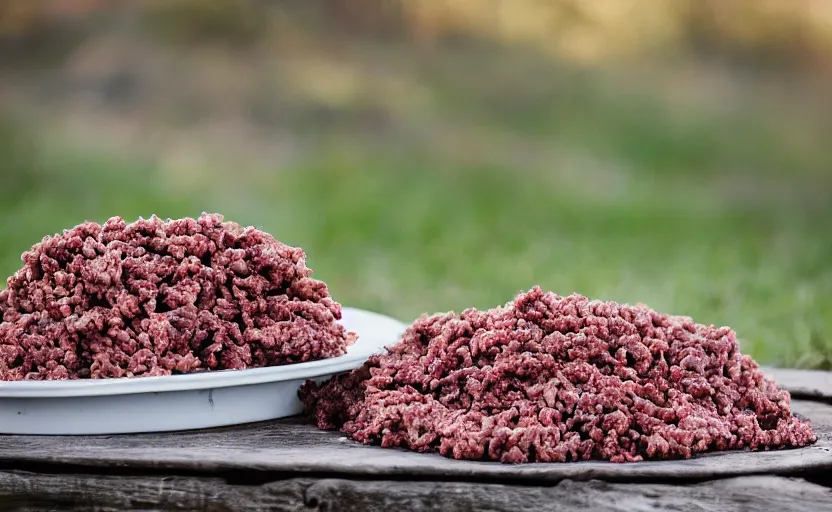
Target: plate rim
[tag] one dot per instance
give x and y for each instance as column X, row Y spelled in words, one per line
column 203, row 380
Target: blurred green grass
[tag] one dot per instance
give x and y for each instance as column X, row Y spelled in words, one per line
column 576, row 187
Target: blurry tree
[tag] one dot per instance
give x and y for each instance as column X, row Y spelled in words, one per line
column 22, row 18
column 366, row 17
column 797, row 33
column 759, row 32
column 194, row 21
column 18, row 18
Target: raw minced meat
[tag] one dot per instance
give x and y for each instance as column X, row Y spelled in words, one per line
column 549, row 378
column 161, row 297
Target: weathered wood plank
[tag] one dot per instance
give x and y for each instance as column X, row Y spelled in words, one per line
column 37, row 492
column 295, row 447
column 803, row 383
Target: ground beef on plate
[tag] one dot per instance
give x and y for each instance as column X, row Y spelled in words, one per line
column 161, row 297
column 551, row 379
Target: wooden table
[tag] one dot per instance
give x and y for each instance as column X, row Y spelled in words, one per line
column 290, row 465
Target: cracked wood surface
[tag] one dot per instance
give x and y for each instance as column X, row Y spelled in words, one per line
column 35, row 492
column 290, row 465
column 295, row 447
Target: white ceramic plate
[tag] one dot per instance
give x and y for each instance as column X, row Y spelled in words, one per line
column 182, row 402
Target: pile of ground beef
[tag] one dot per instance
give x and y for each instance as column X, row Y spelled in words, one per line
column 549, row 378
column 163, row 297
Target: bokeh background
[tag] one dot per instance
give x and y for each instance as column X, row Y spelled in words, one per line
column 436, row 155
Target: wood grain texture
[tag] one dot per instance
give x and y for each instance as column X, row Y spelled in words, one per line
column 36, row 492
column 293, row 448
column 812, row 384
column 290, row 465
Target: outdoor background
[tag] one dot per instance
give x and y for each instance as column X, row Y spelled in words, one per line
column 435, row 155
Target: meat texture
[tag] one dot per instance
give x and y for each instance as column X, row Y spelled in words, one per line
column 160, row 297
column 550, row 379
